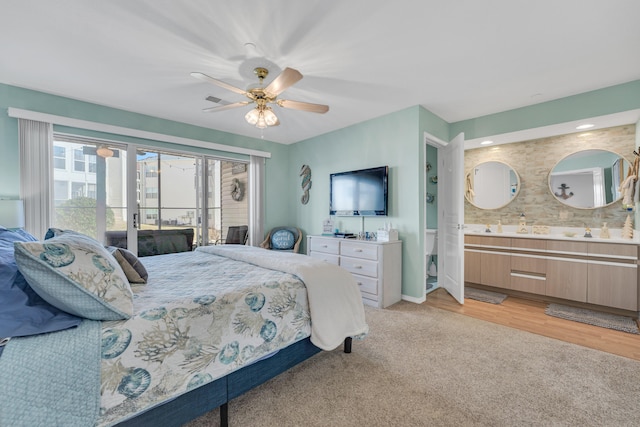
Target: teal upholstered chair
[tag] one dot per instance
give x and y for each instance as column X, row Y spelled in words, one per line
column 283, row 239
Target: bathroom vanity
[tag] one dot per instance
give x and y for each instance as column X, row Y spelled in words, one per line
column 596, row 272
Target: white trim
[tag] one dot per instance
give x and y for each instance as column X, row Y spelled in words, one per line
column 137, row 133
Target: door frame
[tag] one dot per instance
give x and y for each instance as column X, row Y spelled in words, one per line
column 443, row 186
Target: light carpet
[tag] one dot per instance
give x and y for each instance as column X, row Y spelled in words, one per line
column 423, row 366
column 591, row 317
column 484, row 296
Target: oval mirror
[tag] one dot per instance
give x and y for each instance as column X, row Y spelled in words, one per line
column 491, row 185
column 588, row 179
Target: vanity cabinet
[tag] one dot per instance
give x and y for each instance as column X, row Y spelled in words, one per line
column 613, row 275
column 528, row 267
column 604, row 274
column 376, row 266
column 567, row 270
column 492, row 266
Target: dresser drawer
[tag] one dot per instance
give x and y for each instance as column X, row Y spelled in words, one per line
column 329, row 246
column 359, row 266
column 330, row 258
column 367, row 285
column 359, row 250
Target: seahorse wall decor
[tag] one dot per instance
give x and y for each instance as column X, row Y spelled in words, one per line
column 305, row 173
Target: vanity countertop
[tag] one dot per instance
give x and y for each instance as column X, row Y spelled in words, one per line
column 555, row 233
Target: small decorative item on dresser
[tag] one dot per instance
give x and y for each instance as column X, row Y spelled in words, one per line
column 540, row 229
column 389, row 235
column 487, row 228
column 604, row 232
column 627, row 229
column 522, row 224
column 587, row 232
column 499, row 226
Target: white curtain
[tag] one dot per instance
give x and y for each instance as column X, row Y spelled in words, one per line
column 256, row 200
column 36, row 177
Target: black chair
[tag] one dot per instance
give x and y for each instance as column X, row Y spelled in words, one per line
column 237, row 235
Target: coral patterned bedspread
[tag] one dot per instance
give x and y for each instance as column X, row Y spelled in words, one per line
column 175, row 341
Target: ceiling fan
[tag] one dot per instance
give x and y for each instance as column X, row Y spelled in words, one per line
column 262, row 115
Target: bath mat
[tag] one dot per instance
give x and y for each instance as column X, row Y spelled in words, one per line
column 484, row 296
column 591, row 317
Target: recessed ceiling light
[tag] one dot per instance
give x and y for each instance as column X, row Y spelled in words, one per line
column 585, row 126
column 487, row 142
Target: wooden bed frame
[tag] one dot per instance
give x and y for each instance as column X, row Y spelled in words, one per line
column 220, row 392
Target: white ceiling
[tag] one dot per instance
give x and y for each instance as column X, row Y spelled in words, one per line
column 364, row 58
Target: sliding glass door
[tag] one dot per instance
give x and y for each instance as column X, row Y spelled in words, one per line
column 97, row 193
column 89, row 186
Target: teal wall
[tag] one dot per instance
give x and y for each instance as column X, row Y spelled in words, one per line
column 614, row 99
column 396, row 140
column 10, row 96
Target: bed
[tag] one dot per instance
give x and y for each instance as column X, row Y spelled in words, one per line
column 206, row 326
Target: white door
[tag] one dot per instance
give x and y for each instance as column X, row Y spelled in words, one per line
column 451, row 232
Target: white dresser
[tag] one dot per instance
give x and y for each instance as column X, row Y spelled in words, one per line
column 376, row 266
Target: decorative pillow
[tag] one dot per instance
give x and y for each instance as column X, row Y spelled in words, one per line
column 130, row 264
column 76, row 274
column 22, row 311
column 282, row 240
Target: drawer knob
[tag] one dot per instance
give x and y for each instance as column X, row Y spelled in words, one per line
column 357, row 266
column 357, row 250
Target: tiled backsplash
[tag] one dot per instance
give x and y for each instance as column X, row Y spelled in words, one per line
column 533, row 160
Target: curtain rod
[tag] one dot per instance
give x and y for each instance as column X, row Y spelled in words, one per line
column 137, row 133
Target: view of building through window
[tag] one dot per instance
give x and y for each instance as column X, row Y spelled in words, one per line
column 173, row 190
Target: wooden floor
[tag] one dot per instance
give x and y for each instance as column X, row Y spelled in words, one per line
column 528, row 315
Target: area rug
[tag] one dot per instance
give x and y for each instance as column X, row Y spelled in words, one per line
column 484, row 296
column 591, row 317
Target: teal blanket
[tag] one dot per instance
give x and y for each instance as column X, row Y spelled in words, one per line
column 52, row 379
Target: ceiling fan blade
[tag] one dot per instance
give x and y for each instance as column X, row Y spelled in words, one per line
column 220, row 83
column 286, row 78
column 225, row 107
column 304, row 106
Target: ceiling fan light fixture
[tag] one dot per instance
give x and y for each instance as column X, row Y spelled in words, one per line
column 252, row 116
column 104, row 151
column 270, row 118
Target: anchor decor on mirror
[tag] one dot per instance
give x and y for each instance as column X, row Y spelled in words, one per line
column 305, row 173
column 563, row 192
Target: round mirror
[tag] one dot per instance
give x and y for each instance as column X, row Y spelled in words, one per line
column 491, row 185
column 588, row 179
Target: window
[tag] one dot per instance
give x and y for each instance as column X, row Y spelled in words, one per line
column 151, row 173
column 77, row 190
column 151, row 192
column 78, row 160
column 173, row 190
column 59, row 157
column 93, row 168
column 91, row 191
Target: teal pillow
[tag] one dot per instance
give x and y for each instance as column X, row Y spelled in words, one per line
column 75, row 273
column 282, row 240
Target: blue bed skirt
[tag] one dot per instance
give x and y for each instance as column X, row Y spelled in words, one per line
column 203, row 399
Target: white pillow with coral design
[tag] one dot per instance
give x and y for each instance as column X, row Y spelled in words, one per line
column 77, row 274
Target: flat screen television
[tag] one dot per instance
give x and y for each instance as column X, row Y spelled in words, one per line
column 359, row 193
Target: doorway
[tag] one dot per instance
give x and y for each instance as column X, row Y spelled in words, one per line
column 431, row 217
column 444, row 222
